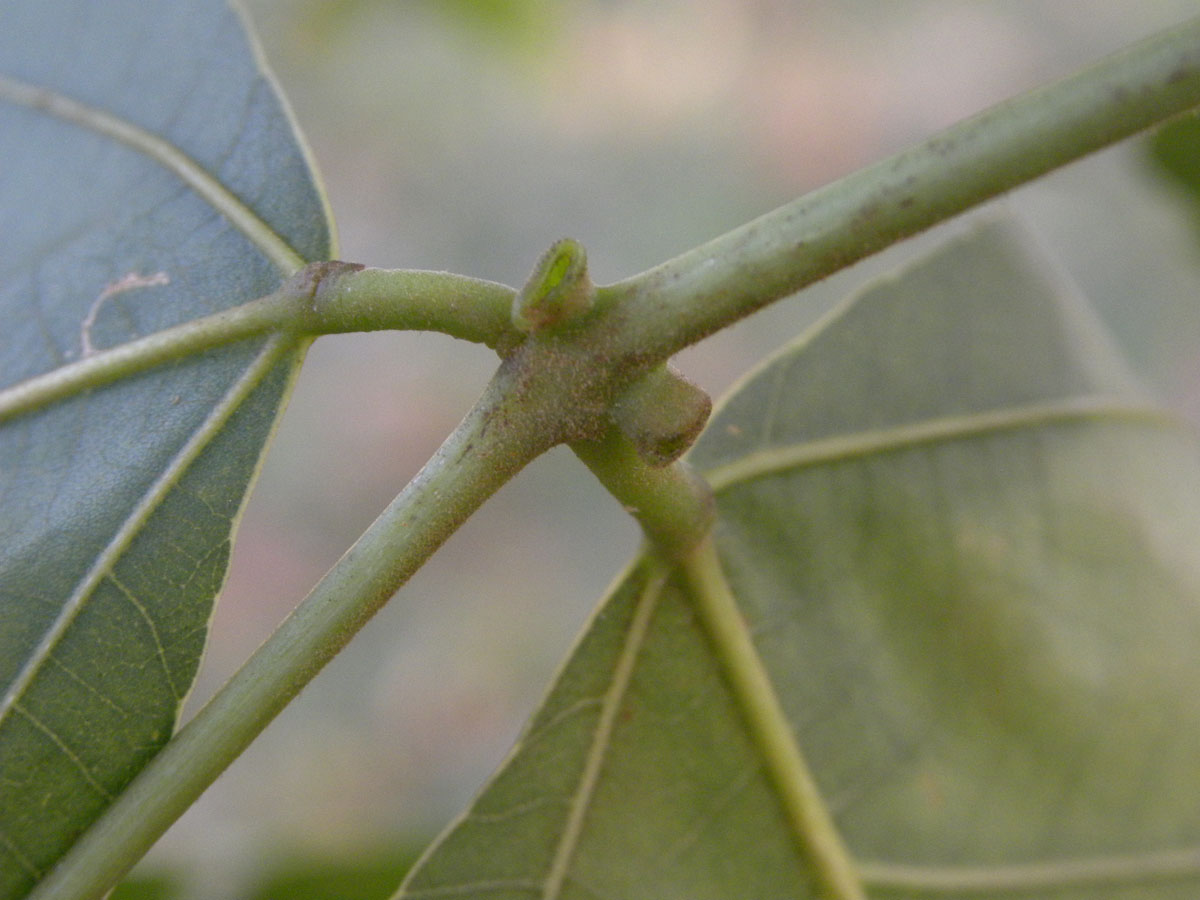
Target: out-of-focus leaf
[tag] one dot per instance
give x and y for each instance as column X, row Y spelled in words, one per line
column 149, row 887
column 518, row 23
column 522, row 27
column 967, row 549
column 149, row 175
column 354, row 876
column 1175, row 150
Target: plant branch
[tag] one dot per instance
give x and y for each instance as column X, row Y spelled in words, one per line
column 368, row 299
column 687, row 298
column 560, row 385
column 673, row 505
column 659, row 312
column 497, row 438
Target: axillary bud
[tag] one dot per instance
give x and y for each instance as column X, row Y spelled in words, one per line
column 662, row 414
column 557, row 291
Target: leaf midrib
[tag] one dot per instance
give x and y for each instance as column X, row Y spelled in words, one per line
column 271, row 354
column 786, row 457
column 165, row 154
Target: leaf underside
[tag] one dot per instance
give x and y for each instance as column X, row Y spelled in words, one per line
column 150, row 176
column 965, row 545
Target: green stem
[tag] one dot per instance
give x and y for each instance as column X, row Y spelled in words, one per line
column 687, row 298
column 672, row 504
column 413, row 300
column 802, row 802
column 493, row 443
column 558, row 388
column 676, row 304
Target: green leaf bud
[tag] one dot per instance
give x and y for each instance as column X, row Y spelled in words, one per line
column 557, row 291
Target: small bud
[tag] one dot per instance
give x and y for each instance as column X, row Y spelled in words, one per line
column 662, row 414
column 558, row 290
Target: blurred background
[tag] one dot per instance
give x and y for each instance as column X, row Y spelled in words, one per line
column 467, row 135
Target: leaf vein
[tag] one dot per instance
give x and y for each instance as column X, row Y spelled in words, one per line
column 1165, row 865
column 22, row 860
column 159, row 650
column 639, row 626
column 563, row 715
column 478, row 887
column 166, row 154
column 272, row 352
column 505, row 815
column 736, row 786
column 83, row 683
column 775, row 460
column 64, row 749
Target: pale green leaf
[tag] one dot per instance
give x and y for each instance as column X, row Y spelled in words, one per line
column 149, row 176
column 965, row 545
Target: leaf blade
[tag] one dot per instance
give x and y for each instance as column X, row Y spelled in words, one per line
column 174, row 187
column 165, row 154
column 954, row 502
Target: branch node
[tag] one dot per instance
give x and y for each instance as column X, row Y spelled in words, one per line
column 313, row 283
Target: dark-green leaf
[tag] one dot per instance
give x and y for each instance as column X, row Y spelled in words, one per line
column 965, row 545
column 150, row 176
